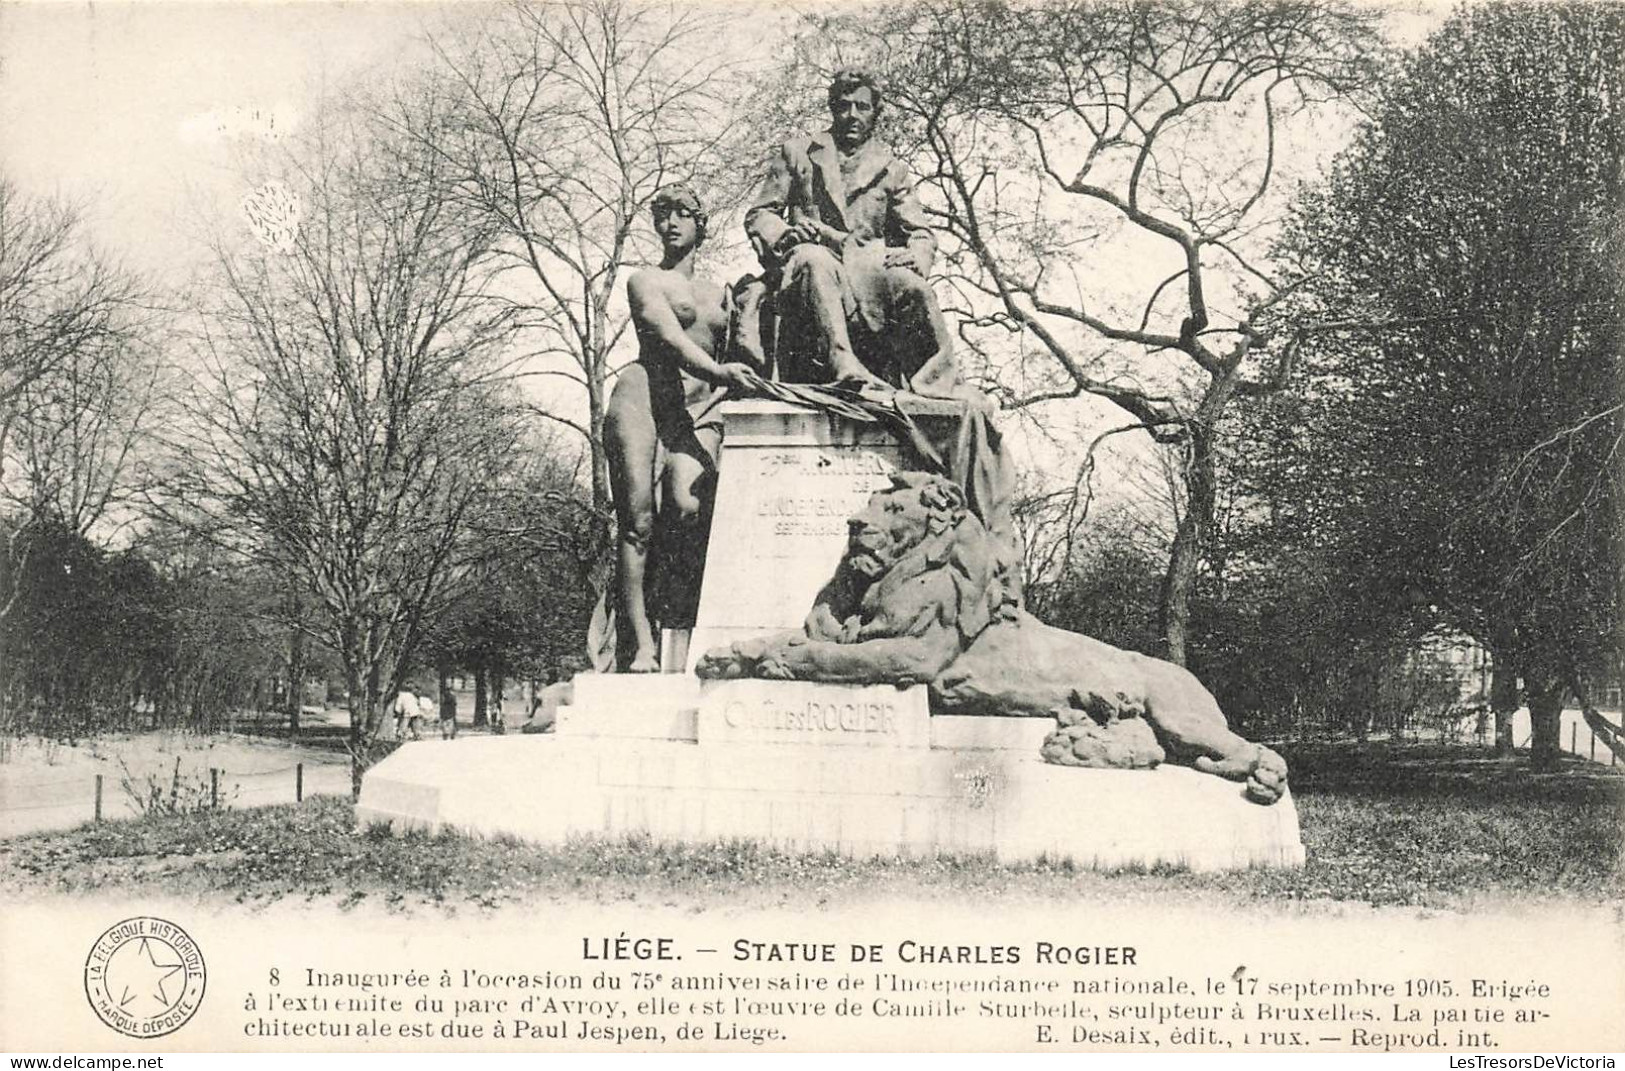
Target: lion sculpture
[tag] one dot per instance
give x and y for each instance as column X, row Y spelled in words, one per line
column 917, row 600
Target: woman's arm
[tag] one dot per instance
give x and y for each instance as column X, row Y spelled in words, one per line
column 652, row 314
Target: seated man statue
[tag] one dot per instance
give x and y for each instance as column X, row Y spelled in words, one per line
column 847, row 251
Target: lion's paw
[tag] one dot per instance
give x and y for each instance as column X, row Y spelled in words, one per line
column 1262, row 769
column 722, row 664
column 774, row 670
column 1267, row 781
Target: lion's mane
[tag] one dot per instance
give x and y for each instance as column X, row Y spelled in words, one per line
column 950, row 576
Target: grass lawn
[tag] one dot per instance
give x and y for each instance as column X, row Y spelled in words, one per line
column 1435, row 827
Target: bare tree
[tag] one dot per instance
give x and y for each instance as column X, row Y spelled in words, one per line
column 56, row 296
column 67, row 325
column 350, row 416
column 559, row 121
column 68, row 320
column 78, row 431
column 1103, row 174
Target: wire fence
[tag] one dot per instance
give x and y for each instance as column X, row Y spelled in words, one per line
column 96, row 796
column 1578, row 739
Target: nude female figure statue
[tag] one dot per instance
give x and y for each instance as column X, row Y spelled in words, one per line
column 661, row 425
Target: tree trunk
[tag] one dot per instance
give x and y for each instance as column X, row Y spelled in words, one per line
column 365, row 702
column 1363, row 674
column 1503, row 701
column 1173, row 611
column 296, row 678
column 595, row 420
column 356, row 702
column 480, row 674
column 1546, row 720
column 374, row 700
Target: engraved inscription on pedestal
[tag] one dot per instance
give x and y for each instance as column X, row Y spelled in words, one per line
column 824, row 487
column 798, row 712
column 789, row 481
column 781, row 528
column 790, row 478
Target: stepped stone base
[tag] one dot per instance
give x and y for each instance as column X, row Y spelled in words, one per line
column 895, row 782
column 864, row 770
column 657, row 706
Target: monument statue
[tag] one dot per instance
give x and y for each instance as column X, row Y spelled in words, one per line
column 917, row 599
column 928, row 589
column 847, row 251
column 838, row 753
column 662, row 430
column 927, row 592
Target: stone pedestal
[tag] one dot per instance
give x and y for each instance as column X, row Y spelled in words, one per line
column 820, row 767
column 814, row 715
column 657, row 706
column 828, row 767
column 788, row 480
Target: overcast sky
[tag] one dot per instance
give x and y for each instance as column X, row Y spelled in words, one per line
column 134, row 109
column 137, row 110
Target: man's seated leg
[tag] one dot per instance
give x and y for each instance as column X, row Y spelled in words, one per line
column 752, row 323
column 924, row 348
column 815, row 284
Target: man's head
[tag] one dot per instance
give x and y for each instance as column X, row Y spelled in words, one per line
column 854, row 104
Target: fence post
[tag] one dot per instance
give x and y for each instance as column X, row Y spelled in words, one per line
column 98, row 797
column 1574, row 738
column 214, row 787
column 299, row 782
